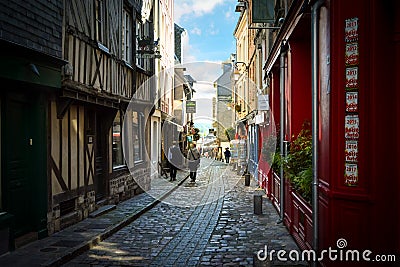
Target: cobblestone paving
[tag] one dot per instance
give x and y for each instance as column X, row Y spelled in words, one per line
column 221, row 231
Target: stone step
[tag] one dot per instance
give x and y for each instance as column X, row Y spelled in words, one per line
column 102, row 210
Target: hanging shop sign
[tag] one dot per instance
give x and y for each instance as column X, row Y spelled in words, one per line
column 260, row 118
column 190, row 106
column 263, row 11
column 263, row 102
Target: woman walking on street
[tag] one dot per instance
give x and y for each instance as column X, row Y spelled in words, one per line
column 193, row 156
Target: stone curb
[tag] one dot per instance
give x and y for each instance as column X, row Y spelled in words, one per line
column 66, row 254
column 86, row 245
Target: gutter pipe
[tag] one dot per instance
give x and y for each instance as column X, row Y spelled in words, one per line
column 315, row 119
column 283, row 128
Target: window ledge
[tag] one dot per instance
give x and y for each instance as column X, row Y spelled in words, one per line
column 103, row 48
column 119, row 168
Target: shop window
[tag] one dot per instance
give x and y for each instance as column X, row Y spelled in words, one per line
column 117, row 156
column 138, row 136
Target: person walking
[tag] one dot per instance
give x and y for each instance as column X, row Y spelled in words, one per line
column 193, row 156
column 227, row 154
column 174, row 154
column 219, row 154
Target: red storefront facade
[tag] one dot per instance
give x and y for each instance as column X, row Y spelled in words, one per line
column 366, row 213
column 357, row 122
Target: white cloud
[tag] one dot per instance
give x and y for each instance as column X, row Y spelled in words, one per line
column 196, row 31
column 204, row 90
column 212, row 30
column 204, row 72
column 194, row 7
column 188, row 52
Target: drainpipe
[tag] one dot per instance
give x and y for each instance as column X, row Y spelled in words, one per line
column 315, row 120
column 283, row 128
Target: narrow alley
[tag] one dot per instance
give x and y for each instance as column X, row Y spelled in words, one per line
column 220, row 231
column 209, row 223
column 107, row 108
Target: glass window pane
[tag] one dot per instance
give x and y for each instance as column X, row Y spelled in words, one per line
column 117, row 158
column 137, row 130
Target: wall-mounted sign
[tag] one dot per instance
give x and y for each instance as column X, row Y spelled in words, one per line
column 351, row 56
column 190, row 106
column 352, row 77
column 352, row 127
column 351, row 174
column 351, row 151
column 351, row 101
column 263, row 102
column 263, row 11
column 351, row 30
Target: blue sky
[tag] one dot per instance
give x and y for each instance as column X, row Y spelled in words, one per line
column 210, row 25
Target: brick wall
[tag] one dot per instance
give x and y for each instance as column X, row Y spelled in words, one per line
column 34, row 24
column 125, row 186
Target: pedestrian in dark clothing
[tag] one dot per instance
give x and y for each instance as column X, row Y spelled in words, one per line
column 174, row 155
column 193, row 156
column 227, row 154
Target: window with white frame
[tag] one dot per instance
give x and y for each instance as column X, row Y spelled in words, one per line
column 127, row 37
column 100, row 20
column 139, row 36
column 117, row 156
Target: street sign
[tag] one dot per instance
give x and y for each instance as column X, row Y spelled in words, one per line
column 191, row 106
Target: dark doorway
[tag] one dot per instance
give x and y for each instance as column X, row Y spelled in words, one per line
column 23, row 155
column 101, row 169
column 17, row 141
column 97, row 127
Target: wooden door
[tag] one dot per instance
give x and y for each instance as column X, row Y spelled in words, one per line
column 16, row 156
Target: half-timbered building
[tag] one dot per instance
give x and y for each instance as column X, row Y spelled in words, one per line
column 30, row 73
column 87, row 164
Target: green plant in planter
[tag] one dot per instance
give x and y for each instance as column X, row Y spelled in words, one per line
column 276, row 161
column 298, row 167
column 271, row 150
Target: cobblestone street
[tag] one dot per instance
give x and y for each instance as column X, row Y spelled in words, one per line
column 209, row 223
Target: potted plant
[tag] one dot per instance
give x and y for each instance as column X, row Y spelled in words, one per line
column 298, row 165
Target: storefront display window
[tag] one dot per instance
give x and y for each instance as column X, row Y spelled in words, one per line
column 137, row 129
column 117, row 157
